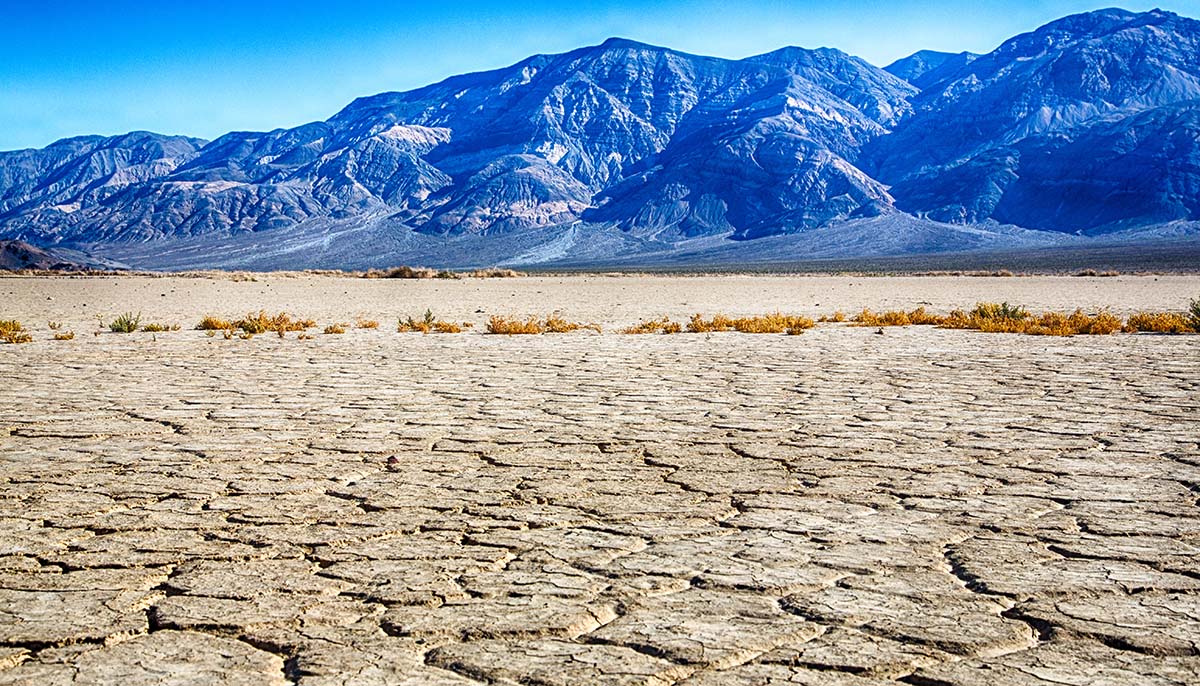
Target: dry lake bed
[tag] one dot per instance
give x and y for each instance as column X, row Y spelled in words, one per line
column 925, row 506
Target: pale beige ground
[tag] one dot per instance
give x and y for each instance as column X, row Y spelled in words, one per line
column 841, row 507
column 609, row 300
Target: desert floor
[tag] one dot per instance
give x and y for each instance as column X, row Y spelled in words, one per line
column 838, row 508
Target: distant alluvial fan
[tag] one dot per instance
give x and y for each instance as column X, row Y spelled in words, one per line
column 1090, row 124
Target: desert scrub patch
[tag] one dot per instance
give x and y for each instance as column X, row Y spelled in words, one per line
column 660, row 326
column 716, row 324
column 1005, row 318
column 210, row 323
column 555, row 323
column 429, row 324
column 917, row 317
column 54, row 326
column 1161, row 322
column 1076, row 323
column 64, row 335
column 495, row 273
column 406, row 272
column 279, row 323
column 512, row 326
column 835, row 318
column 335, row 329
column 11, row 331
column 366, row 324
column 126, row 323
column 256, row 323
column 154, row 327
column 767, row 323
column 991, row 317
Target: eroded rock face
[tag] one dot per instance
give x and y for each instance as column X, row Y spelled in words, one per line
column 838, row 508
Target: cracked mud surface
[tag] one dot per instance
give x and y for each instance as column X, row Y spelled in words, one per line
column 922, row 507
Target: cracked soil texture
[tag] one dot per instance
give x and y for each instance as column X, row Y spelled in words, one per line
column 927, row 507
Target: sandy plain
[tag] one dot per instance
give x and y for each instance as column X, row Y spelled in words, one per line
column 841, row 507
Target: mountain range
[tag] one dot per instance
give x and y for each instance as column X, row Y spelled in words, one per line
column 1085, row 130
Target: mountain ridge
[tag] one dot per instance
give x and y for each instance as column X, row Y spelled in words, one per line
column 1083, row 126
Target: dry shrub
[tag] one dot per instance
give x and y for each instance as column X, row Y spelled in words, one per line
column 917, row 317
column 366, row 324
column 991, row 317
column 1161, row 322
column 210, row 323
column 1004, row 318
column 773, row 323
column 511, row 325
column 11, row 331
column 555, row 323
column 335, row 329
column 767, row 323
column 54, row 326
column 496, row 273
column 64, row 336
column 159, row 328
column 836, row 317
column 406, row 272
column 664, row 326
column 262, row 323
column 1059, row 324
column 429, row 324
column 698, row 324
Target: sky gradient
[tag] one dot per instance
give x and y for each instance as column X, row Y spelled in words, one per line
column 205, row 68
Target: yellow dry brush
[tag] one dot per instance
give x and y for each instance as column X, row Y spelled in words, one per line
column 659, row 326
column 159, row 328
column 429, row 324
column 555, row 323
column 768, row 323
column 1162, row 322
column 917, row 317
column 252, row 324
column 11, row 331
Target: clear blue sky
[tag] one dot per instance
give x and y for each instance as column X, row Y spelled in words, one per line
column 205, row 67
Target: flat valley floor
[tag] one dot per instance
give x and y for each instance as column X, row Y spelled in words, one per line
column 838, row 508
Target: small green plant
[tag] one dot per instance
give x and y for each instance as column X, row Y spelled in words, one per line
column 126, row 323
